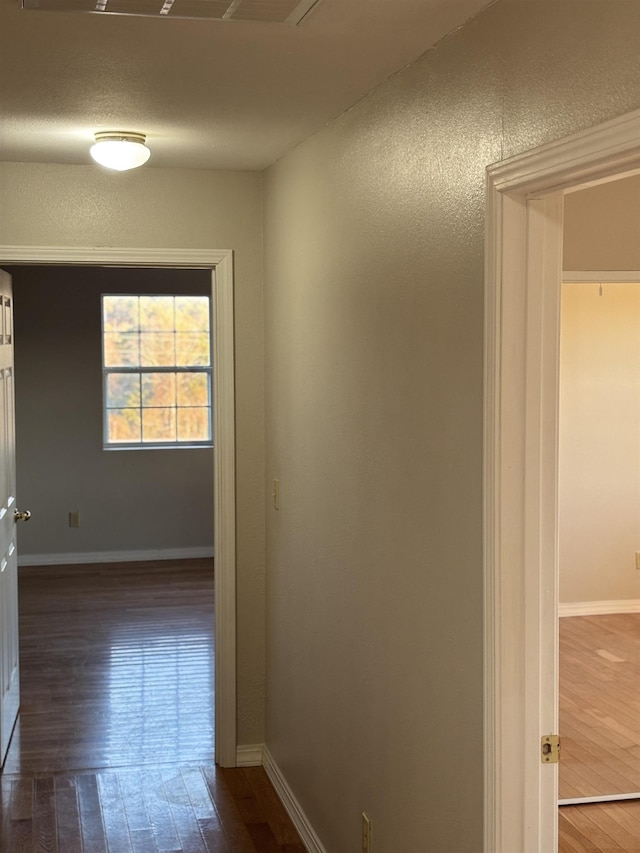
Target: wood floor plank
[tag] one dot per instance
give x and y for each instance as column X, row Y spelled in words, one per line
column 143, row 841
column 45, row 836
column 113, row 752
column 231, row 818
column 198, row 793
column 627, row 814
column 263, row 838
column 160, row 818
column 205, row 812
column 270, row 805
column 213, row 835
column 596, row 830
column 113, row 813
column 20, row 837
column 570, row 838
column 135, row 807
column 184, row 816
column 91, row 823
column 67, row 815
column 21, row 799
column 243, row 797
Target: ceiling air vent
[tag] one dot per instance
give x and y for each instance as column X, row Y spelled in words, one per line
column 262, row 11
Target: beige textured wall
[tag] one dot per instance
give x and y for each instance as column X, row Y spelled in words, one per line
column 602, row 227
column 599, row 494
column 59, row 205
column 374, row 340
column 128, row 500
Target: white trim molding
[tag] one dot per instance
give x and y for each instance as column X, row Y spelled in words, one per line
column 258, row 755
column 604, row 798
column 599, row 608
column 250, row 755
column 292, row 806
column 220, row 262
column 89, row 557
column 523, row 275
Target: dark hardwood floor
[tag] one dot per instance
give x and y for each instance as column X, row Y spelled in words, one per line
column 113, row 752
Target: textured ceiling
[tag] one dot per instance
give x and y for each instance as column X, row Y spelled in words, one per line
column 219, row 94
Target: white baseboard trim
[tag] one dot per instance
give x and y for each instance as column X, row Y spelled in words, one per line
column 249, row 755
column 292, row 806
column 113, row 556
column 605, row 798
column 599, row 608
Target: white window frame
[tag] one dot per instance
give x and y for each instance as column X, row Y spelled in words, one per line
column 140, row 369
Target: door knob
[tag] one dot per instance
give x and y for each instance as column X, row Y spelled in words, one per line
column 22, row 516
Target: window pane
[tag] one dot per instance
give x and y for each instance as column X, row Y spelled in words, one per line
column 193, row 389
column 193, row 424
column 147, row 399
column 123, row 425
column 192, row 313
column 123, row 390
column 192, row 348
column 120, row 313
column 157, row 349
column 158, row 424
column 156, row 313
column 121, row 349
column 158, row 389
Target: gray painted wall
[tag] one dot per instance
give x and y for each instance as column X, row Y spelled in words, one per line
column 374, row 347
column 128, row 500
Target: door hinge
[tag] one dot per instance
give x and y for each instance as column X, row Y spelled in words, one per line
column 550, row 749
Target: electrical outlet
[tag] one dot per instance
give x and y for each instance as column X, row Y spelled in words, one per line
column 637, row 559
column 366, row 833
column 74, row 519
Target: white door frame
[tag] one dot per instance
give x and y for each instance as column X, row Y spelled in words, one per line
column 220, row 262
column 522, row 298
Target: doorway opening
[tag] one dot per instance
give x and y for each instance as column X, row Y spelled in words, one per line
column 116, row 638
column 220, row 265
column 523, row 275
column 599, row 506
column 599, row 526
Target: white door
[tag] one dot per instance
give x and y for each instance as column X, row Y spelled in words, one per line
column 9, row 669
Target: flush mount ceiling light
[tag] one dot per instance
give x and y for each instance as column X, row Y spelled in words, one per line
column 120, row 150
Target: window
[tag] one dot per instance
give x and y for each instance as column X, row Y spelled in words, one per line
column 156, row 371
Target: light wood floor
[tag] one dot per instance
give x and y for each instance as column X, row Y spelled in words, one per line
column 599, row 705
column 600, row 828
column 600, row 731
column 114, row 747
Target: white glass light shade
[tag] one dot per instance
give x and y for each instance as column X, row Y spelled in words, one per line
column 119, row 150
